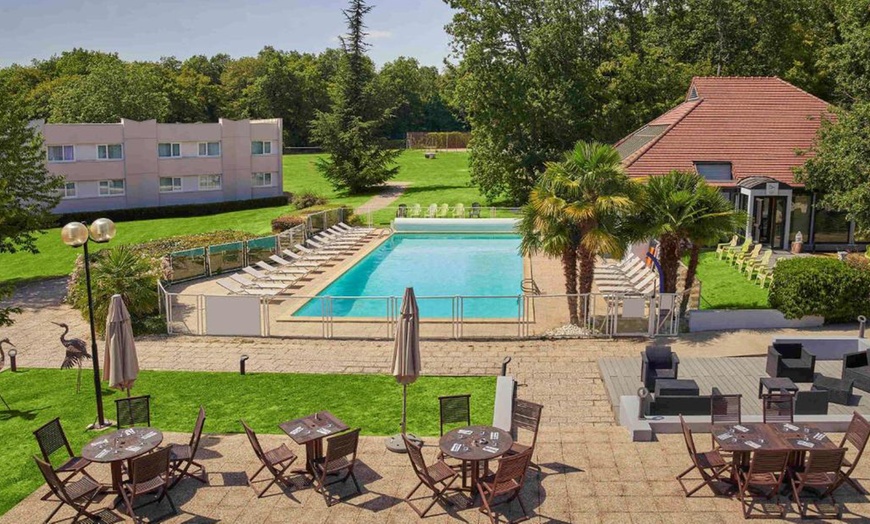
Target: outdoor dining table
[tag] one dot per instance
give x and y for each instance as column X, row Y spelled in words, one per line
column 124, row 444
column 475, row 444
column 310, row 431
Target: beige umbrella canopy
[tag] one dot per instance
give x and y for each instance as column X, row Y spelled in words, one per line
column 121, row 365
column 406, row 358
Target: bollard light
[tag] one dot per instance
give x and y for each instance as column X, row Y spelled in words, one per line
column 642, row 395
column 862, row 323
column 13, row 361
column 242, row 360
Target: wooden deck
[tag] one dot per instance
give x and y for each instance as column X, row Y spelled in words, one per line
column 731, row 375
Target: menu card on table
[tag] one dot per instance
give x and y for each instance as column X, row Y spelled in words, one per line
column 490, row 449
column 455, row 447
column 149, row 434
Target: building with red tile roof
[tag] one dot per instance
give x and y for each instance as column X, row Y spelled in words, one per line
column 746, row 135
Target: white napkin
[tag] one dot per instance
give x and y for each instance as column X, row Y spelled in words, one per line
column 297, row 430
column 490, row 449
column 753, row 445
column 130, row 431
column 134, row 449
column 806, row 444
column 493, row 435
column 100, row 442
column 723, row 436
column 324, row 431
column 149, row 434
column 465, row 432
column 790, row 427
column 820, row 436
column 456, row 447
column 742, row 429
column 102, row 454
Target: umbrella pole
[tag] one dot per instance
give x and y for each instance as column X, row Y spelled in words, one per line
column 404, row 407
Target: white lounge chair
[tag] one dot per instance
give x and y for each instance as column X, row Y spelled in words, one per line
column 308, row 252
column 325, row 248
column 309, row 255
column 295, row 272
column 248, row 282
column 306, row 261
column 284, row 266
column 261, row 275
column 346, row 227
column 627, row 276
column 337, row 240
column 635, row 279
column 647, row 283
column 237, row 289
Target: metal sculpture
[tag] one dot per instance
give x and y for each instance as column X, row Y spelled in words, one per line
column 76, row 350
column 2, row 363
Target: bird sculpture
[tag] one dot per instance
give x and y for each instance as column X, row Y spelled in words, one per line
column 76, row 351
column 2, row 363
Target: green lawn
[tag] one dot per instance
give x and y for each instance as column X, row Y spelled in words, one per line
column 372, row 402
column 443, row 180
column 724, row 287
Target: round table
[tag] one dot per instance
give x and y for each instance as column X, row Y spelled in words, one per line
column 475, row 444
column 116, row 447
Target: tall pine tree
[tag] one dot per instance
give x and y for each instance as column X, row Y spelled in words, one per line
column 351, row 132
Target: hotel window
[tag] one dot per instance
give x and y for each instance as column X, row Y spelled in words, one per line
column 168, row 150
column 259, row 147
column 800, row 216
column 69, row 190
column 110, row 152
column 209, row 149
column 170, row 184
column 830, row 227
column 61, row 154
column 714, row 171
column 209, row 182
column 111, row 187
column 262, row 180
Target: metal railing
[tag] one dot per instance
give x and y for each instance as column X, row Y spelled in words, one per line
column 383, row 216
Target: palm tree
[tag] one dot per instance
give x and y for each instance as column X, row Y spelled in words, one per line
column 576, row 211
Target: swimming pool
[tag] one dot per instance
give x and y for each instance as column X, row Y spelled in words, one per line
column 436, row 265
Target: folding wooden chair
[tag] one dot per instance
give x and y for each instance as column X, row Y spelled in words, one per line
column 340, row 457
column 710, row 464
column 51, row 439
column 857, row 435
column 133, row 411
column 275, row 461
column 823, row 473
column 724, row 409
column 454, row 409
column 507, row 480
column 527, row 417
column 78, row 494
column 777, row 408
column 766, row 472
column 430, row 476
column 148, row 474
column 182, row 455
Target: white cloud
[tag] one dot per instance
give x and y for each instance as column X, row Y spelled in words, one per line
column 376, row 34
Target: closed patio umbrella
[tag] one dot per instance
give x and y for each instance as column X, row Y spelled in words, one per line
column 121, row 365
column 406, row 359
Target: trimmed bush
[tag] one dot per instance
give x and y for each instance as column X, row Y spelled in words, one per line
column 182, row 211
column 820, row 286
column 285, row 222
column 307, row 199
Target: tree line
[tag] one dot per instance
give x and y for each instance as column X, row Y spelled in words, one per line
column 94, row 86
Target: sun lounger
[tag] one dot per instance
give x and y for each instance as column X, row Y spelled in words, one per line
column 343, row 233
column 237, row 289
column 285, row 266
column 261, row 275
column 296, row 272
column 310, row 254
column 248, row 282
column 639, row 286
column 337, row 240
column 306, row 261
column 346, row 227
column 617, row 275
column 325, row 248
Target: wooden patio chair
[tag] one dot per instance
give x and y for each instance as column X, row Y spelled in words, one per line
column 148, row 474
column 506, row 481
column 133, row 411
column 765, row 474
column 822, row 473
column 724, row 409
column 454, row 409
column 340, row 457
column 182, row 456
column 275, row 461
column 52, row 439
column 78, row 494
column 777, row 408
column 710, row 464
column 527, row 417
column 857, row 435
column 430, row 476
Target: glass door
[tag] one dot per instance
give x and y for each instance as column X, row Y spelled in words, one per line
column 761, row 220
column 769, row 221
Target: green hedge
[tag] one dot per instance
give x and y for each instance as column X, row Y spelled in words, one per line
column 181, row 211
column 820, row 286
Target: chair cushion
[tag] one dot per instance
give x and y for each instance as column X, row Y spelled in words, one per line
column 663, row 373
column 795, row 363
column 863, row 370
column 659, row 357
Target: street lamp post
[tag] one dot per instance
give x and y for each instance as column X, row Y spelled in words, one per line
column 77, row 234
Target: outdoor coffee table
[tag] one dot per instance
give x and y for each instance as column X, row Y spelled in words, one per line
column 673, row 386
column 774, row 383
column 116, row 447
column 475, row 444
column 310, row 431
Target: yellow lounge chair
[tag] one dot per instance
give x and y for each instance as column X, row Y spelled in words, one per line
column 722, row 249
column 743, row 258
column 742, row 249
column 756, row 263
column 765, row 274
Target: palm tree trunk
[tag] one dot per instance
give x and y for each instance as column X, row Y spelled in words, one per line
column 569, row 268
column 670, row 261
column 586, row 261
column 692, row 270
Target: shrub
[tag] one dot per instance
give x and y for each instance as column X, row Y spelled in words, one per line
column 285, row 222
column 307, row 199
column 820, row 286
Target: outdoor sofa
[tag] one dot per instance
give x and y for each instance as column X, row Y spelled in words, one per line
column 790, row 360
column 857, row 369
column 686, row 405
column 813, row 402
column 658, row 362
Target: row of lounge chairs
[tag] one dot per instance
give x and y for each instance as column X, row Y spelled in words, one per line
column 286, row 270
column 751, row 259
column 436, row 211
column 630, row 275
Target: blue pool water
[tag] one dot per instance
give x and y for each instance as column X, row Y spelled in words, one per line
column 437, row 265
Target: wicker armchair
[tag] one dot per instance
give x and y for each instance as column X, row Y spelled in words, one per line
column 857, row 369
column 791, row 361
column 656, row 363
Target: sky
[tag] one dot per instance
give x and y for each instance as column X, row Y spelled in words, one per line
column 150, row 29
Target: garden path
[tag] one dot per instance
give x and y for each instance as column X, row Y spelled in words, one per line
column 387, row 196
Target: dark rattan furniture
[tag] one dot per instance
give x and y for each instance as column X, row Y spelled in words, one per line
column 119, row 446
column 822, row 473
column 183, row 456
column 839, row 390
column 811, row 402
column 52, row 439
column 438, row 477
column 857, row 369
column 133, row 411
column 78, row 494
column 507, row 481
column 310, row 431
column 148, row 474
column 772, row 384
column 790, row 361
column 676, row 387
column 857, row 435
column 658, row 363
column 777, row 407
column 765, row 474
column 340, row 458
column 276, row 461
column 709, row 464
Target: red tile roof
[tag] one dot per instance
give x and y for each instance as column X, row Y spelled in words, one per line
column 756, row 123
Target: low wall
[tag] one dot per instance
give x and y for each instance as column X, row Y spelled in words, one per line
column 827, row 348
column 455, row 225
column 727, row 319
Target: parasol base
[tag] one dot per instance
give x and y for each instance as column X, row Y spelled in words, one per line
column 397, row 445
column 97, row 427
